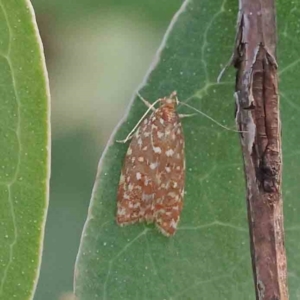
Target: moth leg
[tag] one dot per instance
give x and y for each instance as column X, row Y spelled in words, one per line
column 128, row 138
column 147, row 103
column 181, row 116
column 150, row 107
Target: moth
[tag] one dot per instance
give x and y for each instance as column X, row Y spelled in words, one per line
column 151, row 187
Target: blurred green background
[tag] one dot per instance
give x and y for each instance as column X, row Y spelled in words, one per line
column 97, row 53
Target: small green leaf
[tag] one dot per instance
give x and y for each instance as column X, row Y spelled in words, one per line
column 24, row 149
column 209, row 256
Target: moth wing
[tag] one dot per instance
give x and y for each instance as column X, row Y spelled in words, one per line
column 171, row 175
column 137, row 185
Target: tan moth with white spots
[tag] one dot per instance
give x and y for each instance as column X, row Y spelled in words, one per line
column 151, row 186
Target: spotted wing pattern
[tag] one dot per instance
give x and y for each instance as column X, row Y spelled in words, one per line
column 151, row 186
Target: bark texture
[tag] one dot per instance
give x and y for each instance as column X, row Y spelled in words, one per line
column 257, row 116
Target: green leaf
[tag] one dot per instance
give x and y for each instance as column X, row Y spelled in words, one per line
column 24, row 149
column 209, row 256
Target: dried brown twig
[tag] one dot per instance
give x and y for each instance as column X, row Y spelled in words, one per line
column 257, row 104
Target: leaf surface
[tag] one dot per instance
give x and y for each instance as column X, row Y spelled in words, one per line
column 24, row 150
column 209, row 256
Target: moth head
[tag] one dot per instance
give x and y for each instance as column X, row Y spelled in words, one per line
column 171, row 101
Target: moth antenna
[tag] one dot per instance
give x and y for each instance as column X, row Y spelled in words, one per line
column 210, row 118
column 140, row 120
